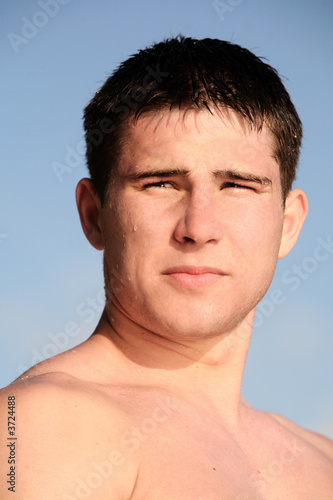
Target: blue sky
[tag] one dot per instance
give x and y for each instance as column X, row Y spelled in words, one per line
column 54, row 57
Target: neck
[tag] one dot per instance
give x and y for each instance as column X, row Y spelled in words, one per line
column 209, row 369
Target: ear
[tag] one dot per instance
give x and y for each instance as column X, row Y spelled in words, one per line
column 89, row 207
column 295, row 212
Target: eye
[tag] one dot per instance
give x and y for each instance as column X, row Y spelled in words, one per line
column 160, row 184
column 234, row 185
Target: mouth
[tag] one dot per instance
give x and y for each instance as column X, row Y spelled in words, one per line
column 193, row 276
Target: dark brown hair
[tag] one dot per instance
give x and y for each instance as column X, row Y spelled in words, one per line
column 190, row 74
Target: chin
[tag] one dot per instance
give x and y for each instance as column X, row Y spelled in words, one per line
column 192, row 326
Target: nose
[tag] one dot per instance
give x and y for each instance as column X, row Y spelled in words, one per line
column 200, row 220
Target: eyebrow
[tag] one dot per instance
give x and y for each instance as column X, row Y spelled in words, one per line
column 242, row 176
column 220, row 174
column 156, row 173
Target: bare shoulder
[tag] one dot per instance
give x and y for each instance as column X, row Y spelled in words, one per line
column 317, row 441
column 67, row 434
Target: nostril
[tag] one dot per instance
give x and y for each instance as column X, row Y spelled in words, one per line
column 188, row 240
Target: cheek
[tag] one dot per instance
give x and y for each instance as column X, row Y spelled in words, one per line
column 148, row 227
column 259, row 235
column 135, row 237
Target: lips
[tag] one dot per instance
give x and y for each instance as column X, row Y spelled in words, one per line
column 194, row 276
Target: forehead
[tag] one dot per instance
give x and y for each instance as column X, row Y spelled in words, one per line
column 193, row 139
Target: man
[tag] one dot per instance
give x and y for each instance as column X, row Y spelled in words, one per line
column 192, row 147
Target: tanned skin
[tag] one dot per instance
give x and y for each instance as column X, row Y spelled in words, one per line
column 150, row 406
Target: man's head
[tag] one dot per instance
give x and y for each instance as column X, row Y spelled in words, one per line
column 185, row 73
column 191, row 222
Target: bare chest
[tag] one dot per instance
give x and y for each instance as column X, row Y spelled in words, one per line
column 183, row 452
column 193, row 457
column 178, row 467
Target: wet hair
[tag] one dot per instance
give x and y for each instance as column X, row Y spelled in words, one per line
column 186, row 73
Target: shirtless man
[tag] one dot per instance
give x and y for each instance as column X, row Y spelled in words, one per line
column 192, row 150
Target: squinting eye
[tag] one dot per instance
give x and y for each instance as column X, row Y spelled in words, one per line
column 161, row 184
column 235, row 186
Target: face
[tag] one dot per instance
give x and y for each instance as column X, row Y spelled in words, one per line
column 192, row 223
